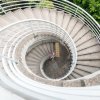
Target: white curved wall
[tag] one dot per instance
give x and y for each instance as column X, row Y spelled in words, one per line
column 6, row 95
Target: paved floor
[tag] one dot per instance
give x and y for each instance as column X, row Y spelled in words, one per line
column 57, row 67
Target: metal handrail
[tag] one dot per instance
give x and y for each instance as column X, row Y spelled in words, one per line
column 33, row 87
column 71, row 5
column 66, row 6
column 55, row 30
column 59, row 9
column 8, row 58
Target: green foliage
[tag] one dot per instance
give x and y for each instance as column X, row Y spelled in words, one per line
column 46, row 4
column 91, row 6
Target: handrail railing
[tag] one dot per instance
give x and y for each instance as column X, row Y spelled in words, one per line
column 44, row 26
column 61, row 3
column 8, row 58
column 86, row 77
column 66, row 6
column 38, row 90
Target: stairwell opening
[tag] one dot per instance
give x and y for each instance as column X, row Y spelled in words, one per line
column 58, row 62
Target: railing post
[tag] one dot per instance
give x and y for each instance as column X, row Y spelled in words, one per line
column 2, row 9
column 76, row 12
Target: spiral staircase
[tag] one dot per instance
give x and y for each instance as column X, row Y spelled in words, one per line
column 49, row 53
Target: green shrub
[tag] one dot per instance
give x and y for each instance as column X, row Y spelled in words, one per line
column 45, row 3
column 91, row 6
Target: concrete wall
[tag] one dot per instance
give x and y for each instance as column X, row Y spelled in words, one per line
column 6, row 95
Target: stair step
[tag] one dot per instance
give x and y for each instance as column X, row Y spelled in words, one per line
column 91, row 69
column 53, row 15
column 83, row 73
column 71, row 77
column 20, row 14
column 66, row 20
column 75, row 75
column 84, row 39
column 77, row 28
column 89, row 56
column 3, row 22
column 11, row 17
column 82, row 36
column 49, row 47
column 87, row 44
column 28, row 13
column 90, row 63
column 95, row 48
column 45, row 49
column 37, row 13
column 36, row 55
column 83, row 30
column 32, row 63
column 35, row 68
column 71, row 25
column 32, row 59
column 46, row 14
column 60, row 16
column 41, row 51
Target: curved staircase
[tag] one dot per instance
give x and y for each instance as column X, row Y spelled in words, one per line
column 65, row 39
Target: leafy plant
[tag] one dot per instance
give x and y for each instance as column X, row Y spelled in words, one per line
column 45, row 3
column 91, row 6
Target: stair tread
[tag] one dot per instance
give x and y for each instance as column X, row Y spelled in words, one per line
column 19, row 14
column 86, row 68
column 95, row 48
column 81, row 72
column 46, row 14
column 90, row 63
column 71, row 25
column 76, row 75
column 29, row 13
column 3, row 22
column 37, row 13
column 60, row 15
column 53, row 15
column 90, row 56
column 77, row 28
column 90, row 43
column 66, row 20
